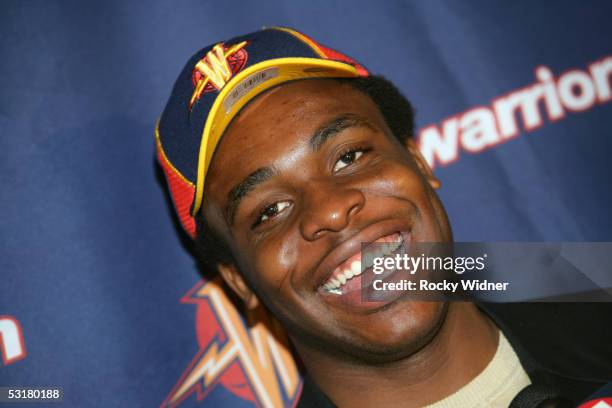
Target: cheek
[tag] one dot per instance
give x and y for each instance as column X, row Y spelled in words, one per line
column 397, row 179
column 274, row 259
column 403, row 182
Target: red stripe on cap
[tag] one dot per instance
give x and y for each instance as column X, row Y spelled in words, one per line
column 181, row 192
column 335, row 55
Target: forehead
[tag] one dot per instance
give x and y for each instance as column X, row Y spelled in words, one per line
column 278, row 124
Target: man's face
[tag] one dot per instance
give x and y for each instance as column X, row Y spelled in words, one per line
column 307, row 173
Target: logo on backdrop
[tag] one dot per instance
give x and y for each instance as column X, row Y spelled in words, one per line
column 250, row 359
column 213, row 71
column 483, row 127
column 12, row 346
column 598, row 403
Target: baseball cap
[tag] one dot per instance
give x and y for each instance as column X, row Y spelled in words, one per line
column 217, row 82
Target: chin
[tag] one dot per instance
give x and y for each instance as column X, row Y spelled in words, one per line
column 402, row 330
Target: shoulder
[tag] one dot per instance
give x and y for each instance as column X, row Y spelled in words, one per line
column 570, row 339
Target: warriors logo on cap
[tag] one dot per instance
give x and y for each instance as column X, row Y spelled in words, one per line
column 213, row 71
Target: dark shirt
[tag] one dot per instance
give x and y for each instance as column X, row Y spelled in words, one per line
column 565, row 347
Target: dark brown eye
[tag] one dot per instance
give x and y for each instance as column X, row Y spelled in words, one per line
column 347, row 158
column 273, row 210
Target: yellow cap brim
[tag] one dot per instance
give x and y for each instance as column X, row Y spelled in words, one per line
column 245, row 86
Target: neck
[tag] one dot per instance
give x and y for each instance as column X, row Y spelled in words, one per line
column 462, row 348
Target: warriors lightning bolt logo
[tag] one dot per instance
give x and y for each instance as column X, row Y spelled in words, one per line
column 213, row 71
column 250, row 360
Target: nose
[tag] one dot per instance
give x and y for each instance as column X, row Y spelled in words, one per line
column 329, row 209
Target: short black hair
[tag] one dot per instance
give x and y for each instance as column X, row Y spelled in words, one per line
column 398, row 113
column 394, row 106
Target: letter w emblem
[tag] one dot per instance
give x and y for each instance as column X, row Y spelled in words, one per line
column 214, row 70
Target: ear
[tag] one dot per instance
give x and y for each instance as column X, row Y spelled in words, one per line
column 235, row 281
column 422, row 164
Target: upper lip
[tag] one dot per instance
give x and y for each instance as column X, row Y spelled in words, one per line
column 352, row 245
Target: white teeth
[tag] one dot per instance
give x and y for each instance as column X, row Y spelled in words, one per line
column 356, row 268
column 382, row 249
column 367, row 258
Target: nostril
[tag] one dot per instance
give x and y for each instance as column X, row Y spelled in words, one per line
column 355, row 209
column 330, row 211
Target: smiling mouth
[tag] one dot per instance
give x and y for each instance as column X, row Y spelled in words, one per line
column 343, row 278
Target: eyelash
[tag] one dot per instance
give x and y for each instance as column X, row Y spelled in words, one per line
column 353, row 149
column 263, row 210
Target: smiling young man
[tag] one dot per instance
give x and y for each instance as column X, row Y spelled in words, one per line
column 283, row 157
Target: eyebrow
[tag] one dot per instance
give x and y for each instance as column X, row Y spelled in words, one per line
column 323, row 134
column 335, row 126
column 237, row 193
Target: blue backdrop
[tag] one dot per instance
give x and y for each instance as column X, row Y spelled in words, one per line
column 98, row 293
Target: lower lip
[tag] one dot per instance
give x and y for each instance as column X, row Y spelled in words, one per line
column 355, row 297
